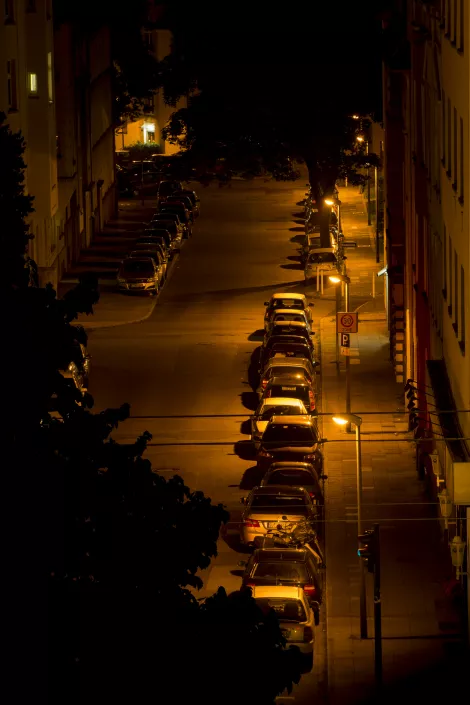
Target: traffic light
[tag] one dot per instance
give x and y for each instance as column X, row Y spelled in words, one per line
column 368, row 551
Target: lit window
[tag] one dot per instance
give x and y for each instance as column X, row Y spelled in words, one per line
column 33, row 83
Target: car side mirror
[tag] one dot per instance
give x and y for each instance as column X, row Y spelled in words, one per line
column 311, row 304
column 243, row 500
column 323, row 477
column 266, row 303
column 323, row 440
column 312, row 333
column 242, row 564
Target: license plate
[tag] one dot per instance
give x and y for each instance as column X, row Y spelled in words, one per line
column 136, row 286
column 288, row 389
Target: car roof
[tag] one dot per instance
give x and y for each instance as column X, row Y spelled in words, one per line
column 279, row 591
column 284, row 380
column 288, row 295
column 282, row 401
column 300, row 420
column 280, row 489
column 265, row 555
column 298, row 339
column 288, row 362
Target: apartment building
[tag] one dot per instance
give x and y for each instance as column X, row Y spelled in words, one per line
column 426, row 114
column 148, row 128
column 55, row 86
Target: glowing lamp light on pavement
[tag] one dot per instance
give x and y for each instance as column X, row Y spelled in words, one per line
column 329, row 202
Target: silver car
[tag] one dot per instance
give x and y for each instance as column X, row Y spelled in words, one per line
column 274, row 406
column 274, row 507
column 281, row 315
column 287, row 299
column 295, row 614
column 323, row 258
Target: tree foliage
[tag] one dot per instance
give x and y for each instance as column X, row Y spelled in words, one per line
column 15, row 205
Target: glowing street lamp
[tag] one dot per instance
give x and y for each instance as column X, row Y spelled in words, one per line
column 359, row 138
column 344, row 420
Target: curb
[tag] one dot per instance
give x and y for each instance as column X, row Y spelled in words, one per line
column 97, row 325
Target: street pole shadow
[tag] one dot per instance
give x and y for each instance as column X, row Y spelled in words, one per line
column 257, row 335
column 245, row 450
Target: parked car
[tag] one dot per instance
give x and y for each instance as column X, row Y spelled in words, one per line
column 159, row 232
column 171, row 209
column 297, row 328
column 174, row 231
column 139, row 276
column 169, row 221
column 156, row 255
column 274, row 406
column 192, row 197
column 282, row 315
column 167, row 188
column 295, row 474
column 272, row 507
column 182, row 201
column 295, row 615
column 299, row 368
column 287, row 386
column 151, row 242
column 290, row 438
column 323, row 257
column 288, row 300
column 285, row 346
column 294, row 567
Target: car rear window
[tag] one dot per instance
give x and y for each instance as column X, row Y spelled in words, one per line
column 322, row 257
column 292, row 478
column 288, row 370
column 275, row 503
column 289, row 317
column 287, row 610
column 288, row 303
column 291, row 390
column 290, row 433
column 281, row 570
column 268, row 411
column 136, row 265
column 280, row 329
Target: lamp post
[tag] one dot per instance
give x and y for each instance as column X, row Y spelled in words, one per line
column 361, row 140
column 337, row 279
column 345, row 420
column 335, row 202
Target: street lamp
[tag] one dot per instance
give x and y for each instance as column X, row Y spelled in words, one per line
column 345, row 420
column 361, row 138
column 336, row 279
column 334, row 202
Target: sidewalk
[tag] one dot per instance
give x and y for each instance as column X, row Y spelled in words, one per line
column 420, row 627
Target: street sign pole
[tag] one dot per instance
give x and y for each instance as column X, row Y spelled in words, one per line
column 348, row 372
column 377, row 611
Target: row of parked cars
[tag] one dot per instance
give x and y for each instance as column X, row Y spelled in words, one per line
column 287, row 443
column 312, row 254
column 145, row 268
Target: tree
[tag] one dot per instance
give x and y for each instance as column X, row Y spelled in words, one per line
column 274, row 89
column 15, row 205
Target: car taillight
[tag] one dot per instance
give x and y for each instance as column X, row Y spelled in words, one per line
column 308, row 634
column 251, row 522
column 312, row 495
column 265, row 454
column 250, row 585
column 312, row 400
column 309, row 456
column 264, row 383
column 310, row 590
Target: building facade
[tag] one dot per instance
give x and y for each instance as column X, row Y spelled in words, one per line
column 148, row 128
column 55, row 86
column 426, row 116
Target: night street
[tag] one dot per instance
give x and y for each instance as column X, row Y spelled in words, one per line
column 192, row 356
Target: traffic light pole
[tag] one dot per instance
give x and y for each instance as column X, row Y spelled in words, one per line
column 377, row 610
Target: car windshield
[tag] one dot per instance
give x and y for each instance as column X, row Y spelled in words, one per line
column 290, row 433
column 289, row 317
column 290, row 350
column 287, row 571
column 322, row 257
column 138, row 265
column 268, row 411
column 288, row 303
column 292, row 478
column 287, row 610
column 275, row 503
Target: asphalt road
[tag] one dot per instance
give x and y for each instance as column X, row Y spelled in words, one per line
column 192, row 356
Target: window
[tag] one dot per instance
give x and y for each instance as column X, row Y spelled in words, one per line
column 33, row 83
column 455, row 163
column 449, row 138
column 11, row 85
column 49, row 77
column 462, row 25
column 443, row 126
column 444, row 267
column 462, row 157
column 450, row 290
column 9, row 11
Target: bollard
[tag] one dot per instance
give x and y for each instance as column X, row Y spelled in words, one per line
column 373, row 284
column 318, row 278
column 321, row 275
